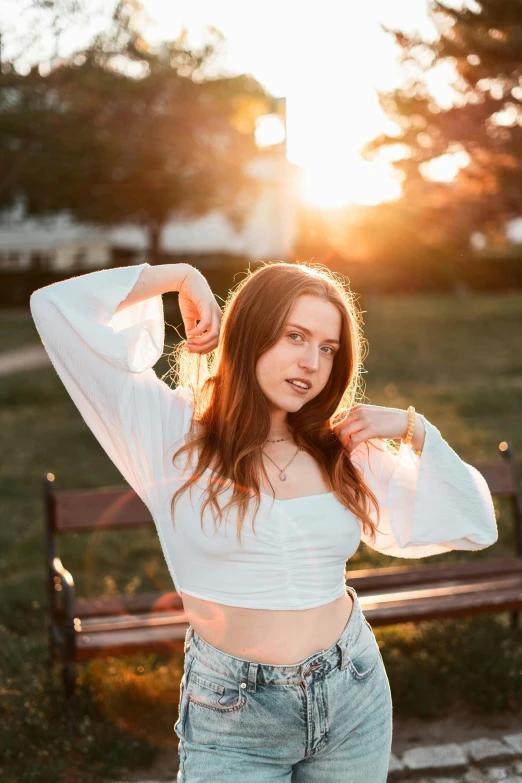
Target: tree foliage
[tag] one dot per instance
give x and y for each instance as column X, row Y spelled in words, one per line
column 482, row 44
column 121, row 132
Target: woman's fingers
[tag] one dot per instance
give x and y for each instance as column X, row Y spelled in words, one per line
column 208, row 328
column 341, row 427
column 346, row 438
column 196, row 301
column 210, row 317
column 353, row 418
column 354, row 441
column 348, row 428
column 206, row 339
column 202, row 327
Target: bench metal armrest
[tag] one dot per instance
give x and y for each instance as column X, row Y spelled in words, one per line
column 62, row 577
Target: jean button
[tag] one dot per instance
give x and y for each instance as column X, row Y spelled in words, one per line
column 243, row 685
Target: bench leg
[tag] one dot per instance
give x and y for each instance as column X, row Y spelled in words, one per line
column 69, row 682
column 70, row 718
column 52, row 650
column 69, row 678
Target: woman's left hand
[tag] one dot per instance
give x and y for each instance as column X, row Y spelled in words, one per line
column 363, row 422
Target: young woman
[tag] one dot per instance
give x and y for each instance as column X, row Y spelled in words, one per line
column 263, row 473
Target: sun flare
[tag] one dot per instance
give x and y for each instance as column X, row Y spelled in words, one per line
column 361, row 182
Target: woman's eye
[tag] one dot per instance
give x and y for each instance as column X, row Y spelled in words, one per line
column 296, row 334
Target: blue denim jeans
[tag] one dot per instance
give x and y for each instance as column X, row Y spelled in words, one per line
column 326, row 719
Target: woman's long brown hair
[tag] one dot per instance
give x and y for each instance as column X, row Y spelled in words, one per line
column 231, row 420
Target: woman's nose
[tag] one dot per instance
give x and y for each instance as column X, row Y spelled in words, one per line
column 310, row 359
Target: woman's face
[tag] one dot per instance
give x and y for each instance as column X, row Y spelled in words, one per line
column 305, row 350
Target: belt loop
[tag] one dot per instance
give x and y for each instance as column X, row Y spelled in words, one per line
column 188, row 638
column 344, row 655
column 252, row 676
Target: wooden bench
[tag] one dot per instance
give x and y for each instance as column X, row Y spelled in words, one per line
column 99, row 627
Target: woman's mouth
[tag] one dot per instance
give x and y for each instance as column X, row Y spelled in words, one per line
column 298, row 389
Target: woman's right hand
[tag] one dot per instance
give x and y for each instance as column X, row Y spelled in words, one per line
column 197, row 303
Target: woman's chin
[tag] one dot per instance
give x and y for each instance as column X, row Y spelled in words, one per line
column 289, row 406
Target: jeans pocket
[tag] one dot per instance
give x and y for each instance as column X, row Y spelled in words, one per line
column 215, row 691
column 365, row 654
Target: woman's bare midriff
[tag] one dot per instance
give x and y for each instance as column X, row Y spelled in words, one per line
column 274, row 636
column 271, row 636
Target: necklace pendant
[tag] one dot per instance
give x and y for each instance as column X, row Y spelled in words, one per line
column 282, row 476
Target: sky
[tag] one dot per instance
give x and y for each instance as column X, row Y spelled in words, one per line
column 328, row 59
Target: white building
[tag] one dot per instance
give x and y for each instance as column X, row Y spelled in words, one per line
column 269, row 232
column 55, row 243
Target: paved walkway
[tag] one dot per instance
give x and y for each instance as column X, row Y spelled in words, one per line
column 22, row 359
column 478, row 761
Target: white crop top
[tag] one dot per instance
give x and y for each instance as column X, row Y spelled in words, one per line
column 296, row 556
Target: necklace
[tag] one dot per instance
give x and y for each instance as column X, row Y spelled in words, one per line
column 282, row 474
column 278, row 441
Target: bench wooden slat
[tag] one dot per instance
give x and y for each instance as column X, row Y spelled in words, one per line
column 116, row 605
column 454, row 585
column 143, row 620
column 499, row 476
column 166, row 639
column 371, row 579
column 440, row 591
column 99, row 509
column 412, row 610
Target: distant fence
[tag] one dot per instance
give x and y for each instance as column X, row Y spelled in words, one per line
column 223, row 272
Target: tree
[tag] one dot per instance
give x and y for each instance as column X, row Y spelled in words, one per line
column 36, row 30
column 25, row 106
column 483, row 43
column 112, row 148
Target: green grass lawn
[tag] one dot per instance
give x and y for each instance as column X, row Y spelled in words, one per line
column 16, row 330
column 458, row 361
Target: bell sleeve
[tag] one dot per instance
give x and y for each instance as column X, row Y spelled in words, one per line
column 105, row 360
column 429, row 504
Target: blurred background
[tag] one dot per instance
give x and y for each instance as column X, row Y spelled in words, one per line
column 384, row 141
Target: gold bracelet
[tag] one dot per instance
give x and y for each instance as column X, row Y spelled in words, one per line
column 411, row 426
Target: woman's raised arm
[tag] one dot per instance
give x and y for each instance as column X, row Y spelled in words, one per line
column 156, row 280
column 104, row 331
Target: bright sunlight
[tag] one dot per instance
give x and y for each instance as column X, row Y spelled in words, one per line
column 331, row 100
column 355, row 182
